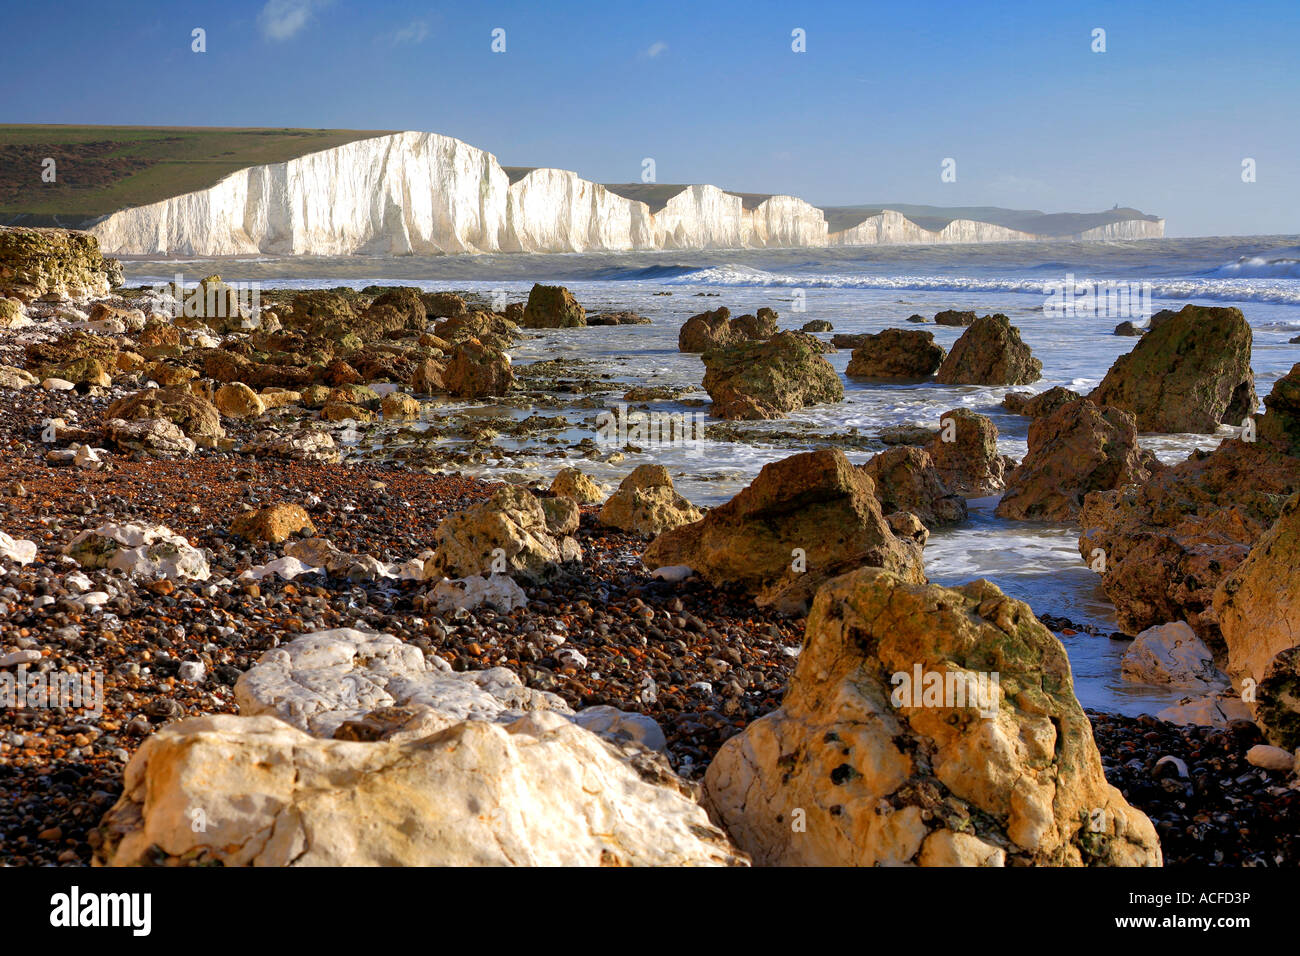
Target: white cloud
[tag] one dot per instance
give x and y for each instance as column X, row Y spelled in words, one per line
column 656, row 48
column 281, row 19
column 414, row 32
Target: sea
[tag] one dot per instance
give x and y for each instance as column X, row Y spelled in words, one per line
column 862, row 289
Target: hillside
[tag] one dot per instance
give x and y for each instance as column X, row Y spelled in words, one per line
column 101, row 169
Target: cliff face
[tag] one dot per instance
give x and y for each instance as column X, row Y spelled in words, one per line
column 426, row 194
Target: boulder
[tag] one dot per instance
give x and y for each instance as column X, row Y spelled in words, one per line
column 152, row 552
column 1279, row 426
column 16, row 549
column 237, row 400
column 196, row 417
column 397, row 406
column 490, row 329
column 1258, row 609
column 1171, row 654
column 562, row 515
column 506, row 533
column 438, row 305
column 647, row 504
column 498, row 591
column 13, row 314
column 817, row 325
column 905, row 480
column 427, row 379
column 1077, row 449
column 1164, row 546
column 273, row 524
column 965, row 454
column 617, row 318
column 708, row 331
column 150, row 436
column 803, row 520
column 571, row 483
column 320, row 681
column 16, row 378
column 990, row 352
column 1040, row 405
column 765, row 380
column 552, row 307
column 761, row 325
column 896, row 354
column 477, row 370
column 540, row 791
column 1187, row 374
column 953, row 317
column 54, row 264
column 917, row 715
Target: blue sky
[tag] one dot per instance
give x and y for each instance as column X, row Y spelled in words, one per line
column 714, row 93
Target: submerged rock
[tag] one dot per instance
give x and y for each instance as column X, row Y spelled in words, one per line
column 765, row 380
column 896, row 354
column 871, row 761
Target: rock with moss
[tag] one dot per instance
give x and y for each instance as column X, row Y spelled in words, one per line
column 646, row 503
column 896, row 355
column 1189, row 373
column 930, row 726
column 766, row 380
column 553, row 307
column 906, row 480
column 196, row 417
column 802, row 521
column 54, row 264
column 990, row 352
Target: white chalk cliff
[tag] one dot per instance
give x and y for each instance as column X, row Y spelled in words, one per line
column 426, row 194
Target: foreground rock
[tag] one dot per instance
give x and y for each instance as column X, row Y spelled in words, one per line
column 860, row 768
column 1077, row 449
column 766, row 380
column 896, row 355
column 1258, row 608
column 505, row 534
column 647, row 504
column 803, row 520
column 990, row 352
column 1187, row 374
column 539, row 791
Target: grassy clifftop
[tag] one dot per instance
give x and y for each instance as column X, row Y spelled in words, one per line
column 100, row 169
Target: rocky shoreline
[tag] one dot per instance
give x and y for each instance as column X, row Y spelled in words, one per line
column 176, row 518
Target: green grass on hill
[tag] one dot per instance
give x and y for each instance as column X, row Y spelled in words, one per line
column 101, row 169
